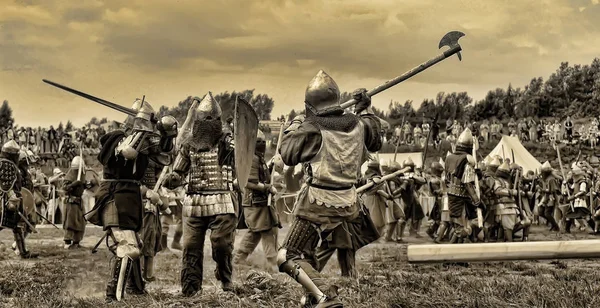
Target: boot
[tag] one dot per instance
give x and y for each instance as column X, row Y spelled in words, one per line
column 176, row 241
column 20, row 240
column 441, row 233
column 416, row 227
column 149, row 269
column 508, row 235
column 163, row 241
column 135, row 282
column 432, row 229
column 389, row 234
column 402, row 226
column 68, row 244
column 111, row 286
column 568, row 225
column 525, row 234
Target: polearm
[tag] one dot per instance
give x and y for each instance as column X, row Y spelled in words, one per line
column 383, row 179
column 277, row 148
column 398, row 140
column 450, row 40
column 477, row 188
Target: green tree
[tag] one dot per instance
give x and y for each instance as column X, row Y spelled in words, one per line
column 5, row 114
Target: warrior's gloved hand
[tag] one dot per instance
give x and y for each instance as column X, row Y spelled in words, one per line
column 172, row 181
column 363, row 99
column 376, row 180
column 153, row 197
column 167, row 126
column 273, row 190
column 168, row 211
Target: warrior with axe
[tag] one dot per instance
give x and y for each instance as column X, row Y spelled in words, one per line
column 216, row 163
column 331, row 145
column 125, row 155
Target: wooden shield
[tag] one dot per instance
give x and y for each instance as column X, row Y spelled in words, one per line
column 244, row 130
column 28, row 203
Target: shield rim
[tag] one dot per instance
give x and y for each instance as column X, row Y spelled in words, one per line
column 249, row 134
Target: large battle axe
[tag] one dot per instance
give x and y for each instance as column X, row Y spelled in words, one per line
column 450, row 40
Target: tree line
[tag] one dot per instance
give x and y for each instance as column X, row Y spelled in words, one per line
column 570, row 90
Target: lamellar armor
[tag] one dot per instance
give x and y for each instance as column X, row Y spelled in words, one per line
column 207, row 160
column 10, row 201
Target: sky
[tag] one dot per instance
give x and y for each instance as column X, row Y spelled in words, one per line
column 168, row 50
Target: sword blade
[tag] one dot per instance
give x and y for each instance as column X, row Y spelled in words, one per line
column 100, row 101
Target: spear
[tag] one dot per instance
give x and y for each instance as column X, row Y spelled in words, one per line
column 277, row 148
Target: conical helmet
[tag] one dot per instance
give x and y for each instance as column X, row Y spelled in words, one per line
column 207, row 108
column 260, row 136
column 395, row 166
column 546, row 167
column 495, row 162
column 409, row 163
column 436, row 167
column 594, row 162
column 11, row 147
column 203, row 122
column 385, row 165
column 143, row 119
column 373, row 163
column 465, row 139
column 322, row 93
column 504, row 167
column 76, row 162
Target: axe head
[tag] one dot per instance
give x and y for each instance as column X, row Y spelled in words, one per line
column 451, row 40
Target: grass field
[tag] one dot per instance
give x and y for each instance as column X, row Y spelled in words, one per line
column 61, row 278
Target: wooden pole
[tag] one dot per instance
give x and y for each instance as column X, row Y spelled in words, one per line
column 277, row 148
column 513, row 251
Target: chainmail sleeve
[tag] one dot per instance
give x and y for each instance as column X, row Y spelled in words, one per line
column 300, row 143
column 373, row 138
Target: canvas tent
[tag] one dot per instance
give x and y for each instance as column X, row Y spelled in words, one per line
column 509, row 145
column 416, row 157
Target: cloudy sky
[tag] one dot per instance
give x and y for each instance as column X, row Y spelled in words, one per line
column 168, row 50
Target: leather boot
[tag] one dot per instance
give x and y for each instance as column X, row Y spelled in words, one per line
column 111, row 286
column 176, row 240
column 508, row 235
column 401, row 231
column 20, row 241
column 441, row 232
column 149, row 269
column 389, row 234
column 163, row 241
column 568, row 225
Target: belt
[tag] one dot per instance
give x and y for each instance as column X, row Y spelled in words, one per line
column 328, row 187
column 122, row 181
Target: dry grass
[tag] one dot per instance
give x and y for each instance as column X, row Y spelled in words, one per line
column 77, row 279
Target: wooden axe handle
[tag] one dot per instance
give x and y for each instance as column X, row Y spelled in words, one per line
column 423, row 66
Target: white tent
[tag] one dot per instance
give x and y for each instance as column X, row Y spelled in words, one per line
column 416, row 157
column 509, row 145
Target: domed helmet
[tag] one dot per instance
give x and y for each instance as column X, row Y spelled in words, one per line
column 261, row 142
column 322, row 94
column 77, row 162
column 503, row 171
column 464, row 142
column 143, row 121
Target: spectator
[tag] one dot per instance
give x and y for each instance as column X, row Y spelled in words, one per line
column 484, row 131
column 569, row 129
